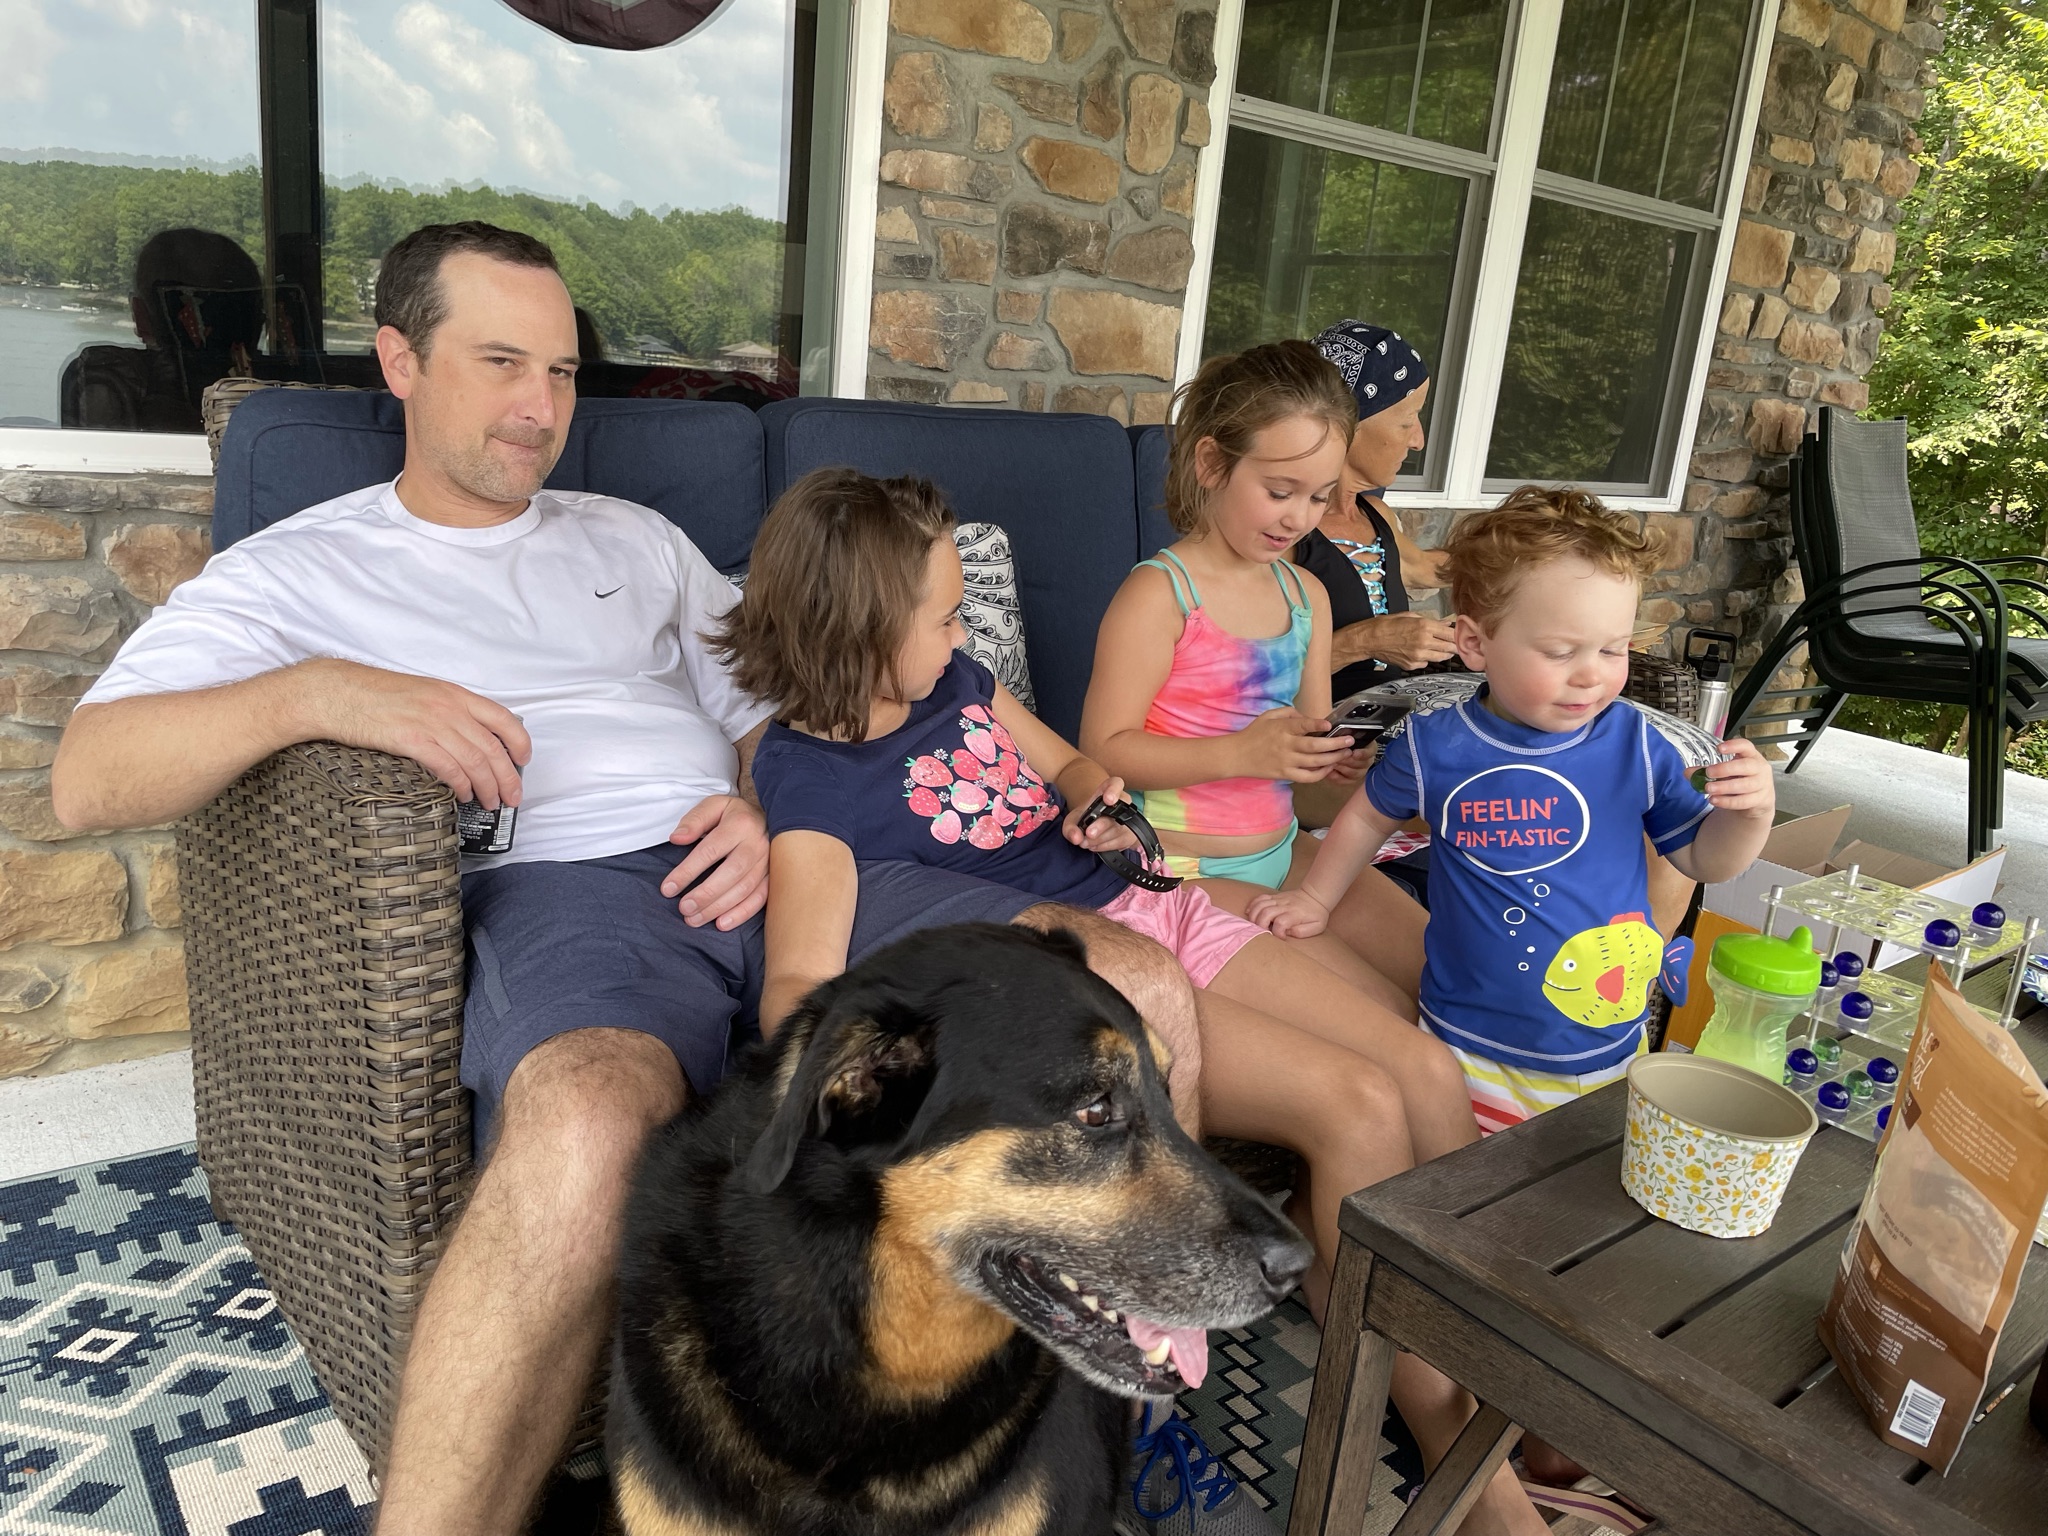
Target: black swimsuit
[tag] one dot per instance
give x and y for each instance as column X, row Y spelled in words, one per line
column 1344, row 576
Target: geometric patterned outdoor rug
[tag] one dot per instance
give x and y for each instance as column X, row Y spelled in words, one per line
column 1253, row 1407
column 149, row 1385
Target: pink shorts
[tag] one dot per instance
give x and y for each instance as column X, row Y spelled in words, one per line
column 1201, row 935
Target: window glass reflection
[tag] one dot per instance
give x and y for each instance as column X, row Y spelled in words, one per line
column 1423, row 67
column 656, row 175
column 1642, row 95
column 131, row 210
column 1315, row 235
column 136, row 266
column 1281, row 51
column 1592, row 348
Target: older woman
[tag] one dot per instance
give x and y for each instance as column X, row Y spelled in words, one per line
column 1359, row 553
column 1363, row 559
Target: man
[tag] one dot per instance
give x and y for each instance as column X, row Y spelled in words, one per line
column 539, row 650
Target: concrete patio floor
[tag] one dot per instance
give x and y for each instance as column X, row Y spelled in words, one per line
column 94, row 1114
column 1915, row 802
column 1904, row 799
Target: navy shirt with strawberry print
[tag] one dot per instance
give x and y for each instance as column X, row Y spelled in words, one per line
column 948, row 787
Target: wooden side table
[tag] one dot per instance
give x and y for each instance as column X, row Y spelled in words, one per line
column 1684, row 1370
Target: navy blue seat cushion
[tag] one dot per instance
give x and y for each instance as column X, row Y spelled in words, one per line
column 1148, row 451
column 696, row 462
column 1060, row 486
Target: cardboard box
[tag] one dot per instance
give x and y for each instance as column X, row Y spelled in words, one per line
column 1801, row 848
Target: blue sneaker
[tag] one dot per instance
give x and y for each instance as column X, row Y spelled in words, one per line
column 1180, row 1487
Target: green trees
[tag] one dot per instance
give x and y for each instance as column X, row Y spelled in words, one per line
column 62, row 222
column 1965, row 352
column 696, row 280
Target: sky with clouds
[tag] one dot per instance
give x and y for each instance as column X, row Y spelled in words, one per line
column 423, row 92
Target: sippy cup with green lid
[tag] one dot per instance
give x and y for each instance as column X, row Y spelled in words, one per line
column 1760, row 986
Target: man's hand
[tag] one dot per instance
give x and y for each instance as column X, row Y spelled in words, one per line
column 1742, row 781
column 731, row 854
column 470, row 743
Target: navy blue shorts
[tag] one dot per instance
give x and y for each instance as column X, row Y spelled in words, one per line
column 595, row 945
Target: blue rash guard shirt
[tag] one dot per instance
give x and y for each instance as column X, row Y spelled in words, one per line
column 1539, row 953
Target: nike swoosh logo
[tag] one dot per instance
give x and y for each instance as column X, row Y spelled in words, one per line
column 619, row 588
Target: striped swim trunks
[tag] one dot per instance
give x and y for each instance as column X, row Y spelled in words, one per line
column 1503, row 1095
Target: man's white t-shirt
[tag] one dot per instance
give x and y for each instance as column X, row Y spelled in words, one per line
column 582, row 615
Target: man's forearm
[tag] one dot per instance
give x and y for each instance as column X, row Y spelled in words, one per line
column 153, row 758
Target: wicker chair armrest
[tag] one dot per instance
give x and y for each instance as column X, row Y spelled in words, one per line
column 324, row 957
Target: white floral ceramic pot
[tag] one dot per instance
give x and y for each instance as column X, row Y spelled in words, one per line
column 1710, row 1145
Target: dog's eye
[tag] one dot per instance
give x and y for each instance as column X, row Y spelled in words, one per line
column 1095, row 1115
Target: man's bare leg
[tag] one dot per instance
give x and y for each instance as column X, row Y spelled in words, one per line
column 520, row 1310
column 1153, row 982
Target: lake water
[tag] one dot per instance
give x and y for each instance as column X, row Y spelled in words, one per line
column 38, row 336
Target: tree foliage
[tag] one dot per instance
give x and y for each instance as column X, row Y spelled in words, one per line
column 1965, row 351
column 698, row 280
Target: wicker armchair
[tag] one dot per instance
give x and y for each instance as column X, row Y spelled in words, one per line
column 324, row 956
column 323, row 933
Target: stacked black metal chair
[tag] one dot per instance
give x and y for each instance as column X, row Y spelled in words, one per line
column 1884, row 619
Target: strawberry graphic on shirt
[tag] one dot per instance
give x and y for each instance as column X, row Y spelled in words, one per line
column 983, row 791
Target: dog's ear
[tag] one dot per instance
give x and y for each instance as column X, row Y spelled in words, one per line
column 1064, row 941
column 865, row 1042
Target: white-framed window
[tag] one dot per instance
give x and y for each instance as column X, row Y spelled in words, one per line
column 191, row 193
column 1540, row 195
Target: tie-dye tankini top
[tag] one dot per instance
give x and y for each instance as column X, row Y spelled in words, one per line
column 1219, row 684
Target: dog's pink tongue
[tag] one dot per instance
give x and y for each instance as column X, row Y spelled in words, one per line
column 1188, row 1348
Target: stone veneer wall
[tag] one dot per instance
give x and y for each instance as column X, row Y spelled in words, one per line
column 1803, row 312
column 1032, row 244
column 1037, row 190
column 91, row 963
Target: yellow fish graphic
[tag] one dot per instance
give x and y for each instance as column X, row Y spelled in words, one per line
column 1601, row 976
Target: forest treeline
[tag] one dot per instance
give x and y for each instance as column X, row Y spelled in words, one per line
column 697, row 279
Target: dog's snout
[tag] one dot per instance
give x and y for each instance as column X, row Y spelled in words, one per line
column 1283, row 1260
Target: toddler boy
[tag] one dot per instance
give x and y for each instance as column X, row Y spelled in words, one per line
column 1538, row 792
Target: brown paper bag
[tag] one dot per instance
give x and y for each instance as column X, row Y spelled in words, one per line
column 1934, row 1255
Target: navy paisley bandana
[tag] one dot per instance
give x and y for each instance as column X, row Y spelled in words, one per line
column 1381, row 368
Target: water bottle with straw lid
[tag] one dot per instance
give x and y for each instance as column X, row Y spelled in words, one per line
column 1760, row 986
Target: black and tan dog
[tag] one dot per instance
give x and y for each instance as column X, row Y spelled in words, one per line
column 900, row 1274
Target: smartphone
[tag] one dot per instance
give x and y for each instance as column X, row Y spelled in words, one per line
column 1369, row 714
column 482, row 830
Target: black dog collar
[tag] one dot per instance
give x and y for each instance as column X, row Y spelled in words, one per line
column 1125, row 814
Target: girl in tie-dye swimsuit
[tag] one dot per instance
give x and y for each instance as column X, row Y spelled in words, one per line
column 1220, row 684
column 1211, row 690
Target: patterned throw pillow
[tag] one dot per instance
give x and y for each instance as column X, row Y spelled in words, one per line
column 990, row 610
